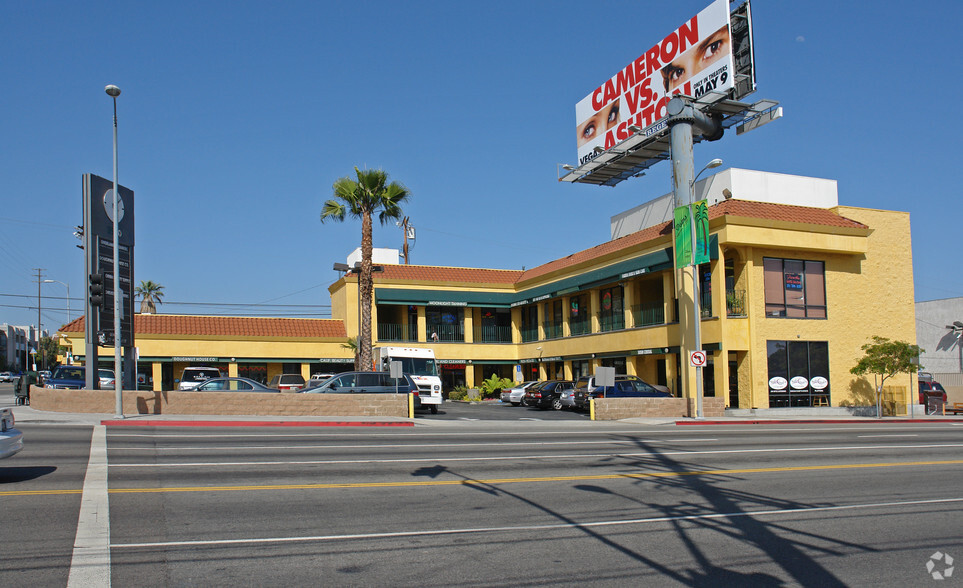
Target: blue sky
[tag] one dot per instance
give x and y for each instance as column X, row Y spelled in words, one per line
column 237, row 117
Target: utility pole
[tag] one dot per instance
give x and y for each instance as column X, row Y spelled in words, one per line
column 39, row 282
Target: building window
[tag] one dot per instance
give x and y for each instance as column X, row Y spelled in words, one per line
column 794, row 288
column 578, row 315
column 612, row 313
column 798, row 373
column 496, row 325
column 445, row 323
column 553, row 322
column 530, row 323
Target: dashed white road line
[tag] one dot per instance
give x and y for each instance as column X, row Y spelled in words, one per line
column 90, row 563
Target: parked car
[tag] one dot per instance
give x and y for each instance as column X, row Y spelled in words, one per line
column 317, row 380
column 45, row 374
column 548, row 394
column 932, row 390
column 11, row 440
column 233, row 385
column 193, row 376
column 287, row 382
column 106, row 378
column 367, row 383
column 67, row 377
column 625, row 387
column 517, row 394
column 6, row 377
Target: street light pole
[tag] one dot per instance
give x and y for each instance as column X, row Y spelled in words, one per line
column 67, row 286
column 114, row 92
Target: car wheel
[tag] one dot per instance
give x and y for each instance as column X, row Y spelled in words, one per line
column 434, row 409
column 556, row 404
column 516, row 404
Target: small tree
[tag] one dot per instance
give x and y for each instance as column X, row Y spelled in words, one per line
column 492, row 385
column 884, row 359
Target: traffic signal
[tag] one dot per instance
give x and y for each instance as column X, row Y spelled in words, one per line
column 96, row 287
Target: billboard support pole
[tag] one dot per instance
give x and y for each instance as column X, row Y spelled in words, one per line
column 683, row 121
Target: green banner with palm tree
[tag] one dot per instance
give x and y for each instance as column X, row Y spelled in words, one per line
column 701, row 217
column 683, row 238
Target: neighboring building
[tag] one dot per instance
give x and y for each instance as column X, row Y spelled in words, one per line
column 942, row 343
column 15, row 345
column 790, row 295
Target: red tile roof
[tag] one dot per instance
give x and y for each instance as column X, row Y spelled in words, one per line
column 230, row 326
column 439, row 274
column 782, row 212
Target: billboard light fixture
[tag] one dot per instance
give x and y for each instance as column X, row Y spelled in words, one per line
column 634, row 128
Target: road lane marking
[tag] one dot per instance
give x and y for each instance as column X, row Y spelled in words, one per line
column 875, row 436
column 521, row 457
column 583, row 478
column 516, row 529
column 90, row 562
column 407, row 445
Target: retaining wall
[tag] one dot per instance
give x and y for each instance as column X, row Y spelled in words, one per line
column 610, row 409
column 221, row 403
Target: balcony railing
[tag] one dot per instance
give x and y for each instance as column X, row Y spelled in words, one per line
column 446, row 333
column 529, row 334
column 583, row 327
column 611, row 321
column 648, row 314
column 705, row 304
column 396, row 332
column 736, row 303
column 495, row 334
column 552, row 330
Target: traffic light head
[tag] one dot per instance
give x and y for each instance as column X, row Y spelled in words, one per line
column 96, row 288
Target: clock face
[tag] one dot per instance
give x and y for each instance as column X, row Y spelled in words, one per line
column 109, row 206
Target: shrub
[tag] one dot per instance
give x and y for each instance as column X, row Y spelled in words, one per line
column 493, row 386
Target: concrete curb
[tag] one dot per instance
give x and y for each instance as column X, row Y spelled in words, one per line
column 804, row 421
column 215, row 423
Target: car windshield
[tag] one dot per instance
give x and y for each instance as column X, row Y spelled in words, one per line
column 419, row 366
column 105, row 373
column 69, row 373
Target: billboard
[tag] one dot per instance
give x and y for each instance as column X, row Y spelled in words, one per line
column 694, row 59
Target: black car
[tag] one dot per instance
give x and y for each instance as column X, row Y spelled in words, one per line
column 625, row 387
column 548, row 394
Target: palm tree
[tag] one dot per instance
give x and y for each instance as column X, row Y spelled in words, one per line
column 361, row 198
column 151, row 293
column 352, row 346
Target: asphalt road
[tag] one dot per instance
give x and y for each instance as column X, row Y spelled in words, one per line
column 484, row 503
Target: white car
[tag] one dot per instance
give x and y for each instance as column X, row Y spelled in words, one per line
column 517, row 394
column 6, row 377
column 11, row 440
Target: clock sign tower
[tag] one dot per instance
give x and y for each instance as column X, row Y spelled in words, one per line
column 98, row 204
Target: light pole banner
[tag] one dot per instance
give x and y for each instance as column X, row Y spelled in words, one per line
column 700, row 216
column 683, row 238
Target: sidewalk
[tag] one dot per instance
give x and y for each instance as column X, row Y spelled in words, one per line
column 27, row 415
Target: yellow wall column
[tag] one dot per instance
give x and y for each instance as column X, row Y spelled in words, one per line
column 628, row 301
column 306, row 371
column 593, row 296
column 422, row 325
column 566, row 317
column 668, row 296
column 232, row 369
column 541, row 320
column 470, row 375
column 274, row 369
column 516, row 325
column 157, row 374
column 671, row 374
column 631, row 369
column 469, row 325
column 568, row 370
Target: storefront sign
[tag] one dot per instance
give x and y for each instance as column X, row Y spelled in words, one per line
column 203, row 359
column 446, row 303
column 778, row 383
column 794, row 281
column 799, row 383
column 819, row 383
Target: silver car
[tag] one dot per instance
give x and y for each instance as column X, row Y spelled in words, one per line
column 517, row 394
column 11, row 440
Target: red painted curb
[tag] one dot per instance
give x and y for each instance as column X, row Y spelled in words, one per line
column 125, row 423
column 869, row 421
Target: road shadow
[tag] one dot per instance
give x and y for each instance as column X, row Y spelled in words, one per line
column 10, row 475
column 713, row 507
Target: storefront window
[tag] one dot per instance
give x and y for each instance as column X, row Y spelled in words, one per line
column 798, row 373
column 578, row 315
column 496, row 325
column 530, row 323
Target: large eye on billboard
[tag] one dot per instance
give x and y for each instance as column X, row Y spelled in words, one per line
column 694, row 59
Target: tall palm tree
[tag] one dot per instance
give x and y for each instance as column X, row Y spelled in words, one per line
column 151, row 293
column 361, row 198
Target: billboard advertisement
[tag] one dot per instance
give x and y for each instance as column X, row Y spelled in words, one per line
column 694, row 59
